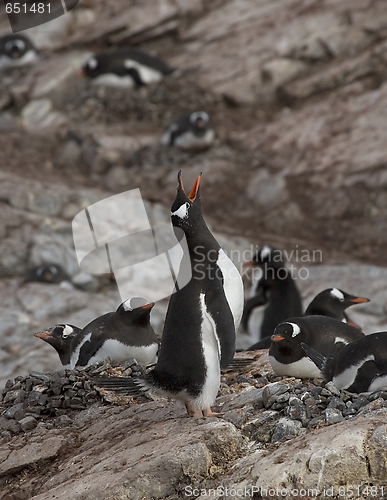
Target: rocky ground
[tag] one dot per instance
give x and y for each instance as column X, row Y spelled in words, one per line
column 297, row 91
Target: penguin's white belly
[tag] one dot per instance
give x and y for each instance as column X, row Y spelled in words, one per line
column 347, row 377
column 114, row 349
column 301, row 369
column 211, row 353
column 233, row 286
column 188, row 140
column 29, row 57
column 113, row 80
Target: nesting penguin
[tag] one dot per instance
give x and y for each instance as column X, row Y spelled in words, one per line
column 324, row 334
column 125, row 68
column 360, row 366
column 333, row 302
column 120, row 335
column 192, row 132
column 16, row 50
column 47, row 273
column 202, row 317
column 274, row 297
column 60, row 338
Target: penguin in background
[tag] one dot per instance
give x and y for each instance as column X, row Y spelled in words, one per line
column 47, row 273
column 202, row 317
column 60, row 338
column 125, row 68
column 360, row 366
column 16, row 50
column 273, row 298
column 324, row 334
column 120, row 335
column 333, row 302
column 191, row 132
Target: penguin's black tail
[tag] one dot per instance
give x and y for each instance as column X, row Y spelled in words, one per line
column 127, row 385
column 318, row 359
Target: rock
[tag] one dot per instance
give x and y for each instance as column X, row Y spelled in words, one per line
column 85, row 281
column 330, row 386
column 285, row 429
column 333, row 416
column 8, row 123
column 16, row 460
column 28, row 423
column 10, row 413
column 38, row 114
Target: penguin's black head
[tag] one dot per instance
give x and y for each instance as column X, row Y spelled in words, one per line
column 199, row 120
column 15, row 46
column 91, row 68
column 136, row 310
column 339, row 297
column 333, row 302
column 286, row 333
column 59, row 336
column 186, row 211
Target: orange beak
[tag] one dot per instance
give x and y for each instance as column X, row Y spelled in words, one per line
column 148, row 306
column 360, row 300
column 42, row 335
column 194, row 190
column 277, row 338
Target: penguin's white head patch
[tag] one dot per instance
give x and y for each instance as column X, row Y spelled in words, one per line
column 92, row 63
column 199, row 115
column 11, row 44
column 265, row 252
column 67, row 330
column 337, row 294
column 134, row 303
column 182, row 211
column 296, row 329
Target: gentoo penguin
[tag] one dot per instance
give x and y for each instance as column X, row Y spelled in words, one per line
column 333, row 302
column 16, row 50
column 47, row 273
column 120, row 335
column 275, row 291
column 360, row 366
column 125, row 68
column 202, row 317
column 192, row 132
column 324, row 334
column 60, row 337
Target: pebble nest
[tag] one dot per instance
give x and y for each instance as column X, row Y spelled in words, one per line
column 266, row 408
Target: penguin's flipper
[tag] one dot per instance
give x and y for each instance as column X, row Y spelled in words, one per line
column 88, row 350
column 128, row 385
column 219, row 312
column 318, row 359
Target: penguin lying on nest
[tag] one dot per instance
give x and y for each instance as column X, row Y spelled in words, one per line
column 360, row 366
column 199, row 331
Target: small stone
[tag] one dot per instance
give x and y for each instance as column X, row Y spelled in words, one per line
column 330, row 386
column 6, row 435
column 33, row 397
column 337, row 403
column 285, row 429
column 28, row 423
column 333, row 416
column 63, row 420
column 372, row 406
column 41, row 376
column 271, row 393
column 10, row 413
